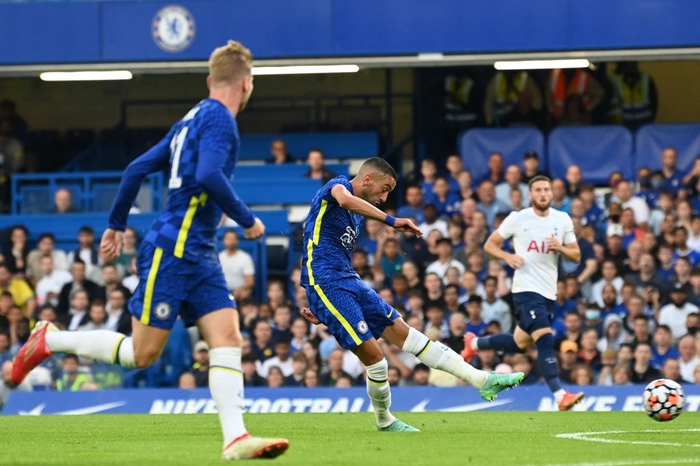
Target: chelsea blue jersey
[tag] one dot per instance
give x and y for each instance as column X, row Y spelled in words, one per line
column 330, row 233
column 199, row 153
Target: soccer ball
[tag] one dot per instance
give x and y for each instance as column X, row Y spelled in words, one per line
column 663, row 400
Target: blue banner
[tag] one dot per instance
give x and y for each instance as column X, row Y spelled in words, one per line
column 115, row 31
column 323, row 400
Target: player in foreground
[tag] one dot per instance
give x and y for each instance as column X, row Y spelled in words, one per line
column 354, row 313
column 540, row 235
column 178, row 267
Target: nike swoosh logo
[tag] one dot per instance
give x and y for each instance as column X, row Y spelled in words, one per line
column 420, row 407
column 38, row 410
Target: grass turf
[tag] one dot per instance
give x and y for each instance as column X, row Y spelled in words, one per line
column 482, row 438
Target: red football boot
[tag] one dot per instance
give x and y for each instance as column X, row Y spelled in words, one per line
column 32, row 353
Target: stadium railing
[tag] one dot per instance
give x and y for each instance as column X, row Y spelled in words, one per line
column 32, row 193
column 285, row 171
column 114, row 149
column 345, row 145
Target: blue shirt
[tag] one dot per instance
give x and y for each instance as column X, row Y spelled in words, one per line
column 693, row 257
column 477, row 329
column 565, row 206
column 408, row 211
column 330, row 233
column 426, row 187
column 576, row 268
column 491, row 211
column 673, row 183
column 455, row 188
column 200, row 152
column 651, row 196
column 657, row 360
column 560, row 310
column 695, row 204
column 594, row 216
column 445, row 208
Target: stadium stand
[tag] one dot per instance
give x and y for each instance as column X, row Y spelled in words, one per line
column 477, row 145
column 650, row 141
column 598, row 150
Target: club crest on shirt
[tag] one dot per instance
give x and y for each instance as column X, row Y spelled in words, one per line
column 173, row 28
column 348, row 238
column 362, row 326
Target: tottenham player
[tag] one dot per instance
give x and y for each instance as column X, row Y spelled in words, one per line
column 353, row 312
column 178, row 266
column 540, row 235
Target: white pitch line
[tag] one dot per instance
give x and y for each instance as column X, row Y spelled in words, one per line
column 589, row 437
column 630, row 462
column 586, row 437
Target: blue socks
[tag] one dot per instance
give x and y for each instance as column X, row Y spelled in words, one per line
column 502, row 342
column 547, row 362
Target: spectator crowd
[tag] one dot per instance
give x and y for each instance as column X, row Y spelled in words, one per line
column 627, row 313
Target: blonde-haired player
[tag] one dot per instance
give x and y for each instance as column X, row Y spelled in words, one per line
column 540, row 235
column 178, row 266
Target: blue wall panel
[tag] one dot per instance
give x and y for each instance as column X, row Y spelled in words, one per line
column 69, row 32
column 270, row 28
column 49, row 33
column 635, row 24
column 401, row 27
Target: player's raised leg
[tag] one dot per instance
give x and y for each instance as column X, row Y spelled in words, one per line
column 519, row 342
column 140, row 350
column 438, row 356
column 220, row 330
column 378, row 388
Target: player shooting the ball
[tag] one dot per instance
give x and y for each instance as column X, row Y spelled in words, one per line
column 353, row 312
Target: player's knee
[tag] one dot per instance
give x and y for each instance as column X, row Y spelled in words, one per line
column 145, row 358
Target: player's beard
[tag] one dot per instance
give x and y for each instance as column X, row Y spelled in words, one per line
column 542, row 207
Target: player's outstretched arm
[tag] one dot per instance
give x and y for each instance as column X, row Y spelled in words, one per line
column 494, row 248
column 348, row 201
column 152, row 161
column 215, row 148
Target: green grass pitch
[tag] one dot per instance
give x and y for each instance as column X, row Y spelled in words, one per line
column 481, row 438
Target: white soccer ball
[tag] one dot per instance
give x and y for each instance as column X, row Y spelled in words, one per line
column 663, row 400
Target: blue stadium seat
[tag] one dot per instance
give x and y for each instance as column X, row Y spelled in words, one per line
column 476, row 145
column 333, row 145
column 598, row 150
column 287, row 192
column 35, row 199
column 103, row 195
column 651, row 140
column 246, row 172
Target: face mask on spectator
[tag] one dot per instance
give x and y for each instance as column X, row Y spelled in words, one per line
column 656, row 184
column 592, row 314
column 644, row 182
column 693, row 330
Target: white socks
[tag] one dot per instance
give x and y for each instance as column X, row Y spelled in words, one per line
column 379, row 392
column 226, row 386
column 559, row 394
column 438, row 356
column 102, row 345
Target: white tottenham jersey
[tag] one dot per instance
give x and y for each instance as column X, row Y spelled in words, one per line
column 530, row 233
